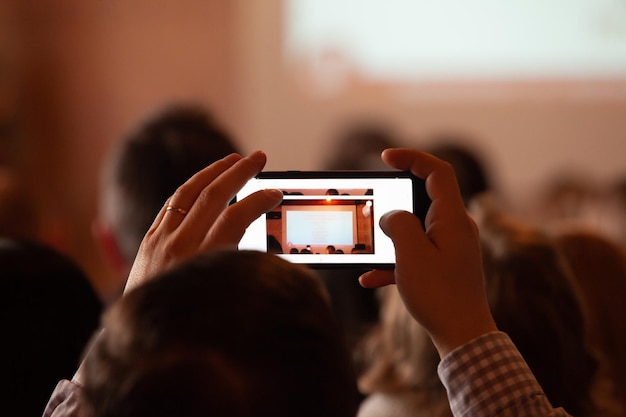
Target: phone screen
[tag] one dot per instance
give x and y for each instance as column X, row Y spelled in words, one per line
column 329, row 219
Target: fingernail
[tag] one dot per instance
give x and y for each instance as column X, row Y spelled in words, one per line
column 385, row 218
column 258, row 155
column 277, row 194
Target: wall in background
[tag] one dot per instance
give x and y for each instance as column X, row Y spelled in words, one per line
column 529, row 129
column 78, row 75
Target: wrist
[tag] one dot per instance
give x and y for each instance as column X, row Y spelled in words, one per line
column 463, row 332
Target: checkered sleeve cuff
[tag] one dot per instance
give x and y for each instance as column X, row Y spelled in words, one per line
column 488, row 377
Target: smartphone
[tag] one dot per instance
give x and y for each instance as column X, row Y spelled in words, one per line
column 329, row 219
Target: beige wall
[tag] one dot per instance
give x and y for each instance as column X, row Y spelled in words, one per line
column 78, row 74
column 529, row 131
column 83, row 73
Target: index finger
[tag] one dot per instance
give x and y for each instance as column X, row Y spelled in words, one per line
column 441, row 183
column 187, row 193
column 215, row 197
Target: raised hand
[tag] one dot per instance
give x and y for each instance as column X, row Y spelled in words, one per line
column 438, row 270
column 198, row 217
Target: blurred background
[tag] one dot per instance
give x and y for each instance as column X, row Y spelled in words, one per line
column 537, row 90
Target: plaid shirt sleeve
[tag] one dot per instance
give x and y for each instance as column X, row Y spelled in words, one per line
column 488, row 377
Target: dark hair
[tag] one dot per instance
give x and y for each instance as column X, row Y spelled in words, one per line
column 48, row 313
column 471, row 171
column 399, row 356
column 234, row 333
column 365, row 139
column 535, row 299
column 152, row 163
column 599, row 265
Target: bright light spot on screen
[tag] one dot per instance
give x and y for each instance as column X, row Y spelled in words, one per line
column 458, row 39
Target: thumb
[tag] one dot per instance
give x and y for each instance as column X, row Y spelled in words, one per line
column 406, row 232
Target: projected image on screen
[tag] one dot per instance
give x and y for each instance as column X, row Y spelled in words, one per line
column 310, row 226
column 315, row 222
column 421, row 40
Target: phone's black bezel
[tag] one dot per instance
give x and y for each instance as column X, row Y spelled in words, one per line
column 421, row 201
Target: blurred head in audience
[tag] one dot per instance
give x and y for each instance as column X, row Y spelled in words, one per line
column 48, row 313
column 472, row 171
column 575, row 199
column 228, row 333
column 599, row 266
column 358, row 146
column 534, row 298
column 400, row 365
column 145, row 168
column 568, row 198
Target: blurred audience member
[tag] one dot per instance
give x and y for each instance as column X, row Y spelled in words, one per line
column 144, row 170
column 533, row 298
column 599, row 266
column 49, row 312
column 400, row 366
column 471, row 168
column 277, row 353
column 537, row 301
column 358, row 146
column 576, row 200
column 569, row 198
